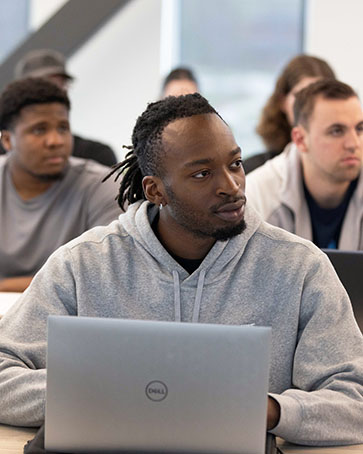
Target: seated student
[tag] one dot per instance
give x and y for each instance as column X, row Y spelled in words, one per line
column 315, row 188
column 50, row 64
column 180, row 81
column 46, row 198
column 277, row 117
column 189, row 248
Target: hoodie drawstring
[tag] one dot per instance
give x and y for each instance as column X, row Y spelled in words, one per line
column 198, row 297
column 177, row 310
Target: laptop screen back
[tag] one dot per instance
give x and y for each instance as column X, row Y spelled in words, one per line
column 349, row 268
column 126, row 385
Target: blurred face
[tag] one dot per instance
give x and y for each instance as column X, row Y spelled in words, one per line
column 205, row 182
column 288, row 103
column 332, row 142
column 180, row 87
column 40, row 142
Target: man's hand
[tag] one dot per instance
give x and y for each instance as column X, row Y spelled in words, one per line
column 273, row 413
column 15, row 284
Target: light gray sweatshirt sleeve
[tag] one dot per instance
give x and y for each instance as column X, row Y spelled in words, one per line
column 23, row 343
column 326, row 408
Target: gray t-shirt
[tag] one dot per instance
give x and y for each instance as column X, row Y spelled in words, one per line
column 31, row 230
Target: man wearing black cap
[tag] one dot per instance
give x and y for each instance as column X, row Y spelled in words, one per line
column 50, row 64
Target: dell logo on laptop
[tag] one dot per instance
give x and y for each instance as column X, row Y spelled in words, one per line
column 156, row 391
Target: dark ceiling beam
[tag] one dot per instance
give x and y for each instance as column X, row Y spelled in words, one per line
column 66, row 31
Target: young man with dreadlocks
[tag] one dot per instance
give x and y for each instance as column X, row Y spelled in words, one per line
column 190, row 249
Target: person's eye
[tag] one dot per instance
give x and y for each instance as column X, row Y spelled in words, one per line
column 359, row 128
column 63, row 128
column 38, row 130
column 336, row 131
column 237, row 164
column 201, row 175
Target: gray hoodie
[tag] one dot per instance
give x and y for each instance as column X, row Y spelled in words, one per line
column 264, row 276
column 276, row 191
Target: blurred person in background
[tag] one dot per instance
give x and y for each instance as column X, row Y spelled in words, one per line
column 277, row 117
column 47, row 197
column 314, row 188
column 51, row 65
column 180, row 81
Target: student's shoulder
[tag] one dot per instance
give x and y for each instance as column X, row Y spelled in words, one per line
column 264, row 185
column 92, row 149
column 274, row 169
column 280, row 239
column 87, row 167
column 99, row 237
column 88, row 173
column 91, row 252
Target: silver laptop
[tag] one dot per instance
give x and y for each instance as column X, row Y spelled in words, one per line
column 142, row 386
column 349, row 268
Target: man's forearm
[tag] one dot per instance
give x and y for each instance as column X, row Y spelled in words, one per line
column 15, row 284
column 22, row 394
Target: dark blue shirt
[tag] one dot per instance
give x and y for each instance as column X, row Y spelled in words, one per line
column 327, row 223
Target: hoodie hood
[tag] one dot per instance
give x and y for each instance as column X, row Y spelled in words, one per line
column 137, row 223
column 217, row 264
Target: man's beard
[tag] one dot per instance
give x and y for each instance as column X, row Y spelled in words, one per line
column 50, row 177
column 191, row 222
column 229, row 232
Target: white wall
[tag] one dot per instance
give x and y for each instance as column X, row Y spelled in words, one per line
column 117, row 73
column 334, row 32
column 41, row 10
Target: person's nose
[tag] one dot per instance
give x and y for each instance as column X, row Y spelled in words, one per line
column 353, row 141
column 228, row 184
column 54, row 138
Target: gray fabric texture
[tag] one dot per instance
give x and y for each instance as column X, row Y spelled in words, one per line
column 276, row 191
column 31, row 230
column 265, row 276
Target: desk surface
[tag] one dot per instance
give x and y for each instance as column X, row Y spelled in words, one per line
column 7, row 299
column 13, row 439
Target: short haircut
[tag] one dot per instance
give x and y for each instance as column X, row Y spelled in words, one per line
column 26, row 92
column 182, row 73
column 146, row 152
column 327, row 89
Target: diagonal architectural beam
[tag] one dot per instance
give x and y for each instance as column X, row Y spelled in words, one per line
column 66, row 31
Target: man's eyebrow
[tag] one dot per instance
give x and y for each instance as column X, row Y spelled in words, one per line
column 208, row 160
column 37, row 123
column 341, row 125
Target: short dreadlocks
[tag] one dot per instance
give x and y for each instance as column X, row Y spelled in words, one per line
column 144, row 157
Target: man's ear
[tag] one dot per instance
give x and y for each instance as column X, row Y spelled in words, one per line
column 6, row 140
column 299, row 137
column 154, row 190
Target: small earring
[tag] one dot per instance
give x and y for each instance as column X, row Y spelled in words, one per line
column 160, row 206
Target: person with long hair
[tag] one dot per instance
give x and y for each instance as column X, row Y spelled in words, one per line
column 276, row 120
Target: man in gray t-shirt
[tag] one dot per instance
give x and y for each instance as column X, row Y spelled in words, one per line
column 46, row 197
